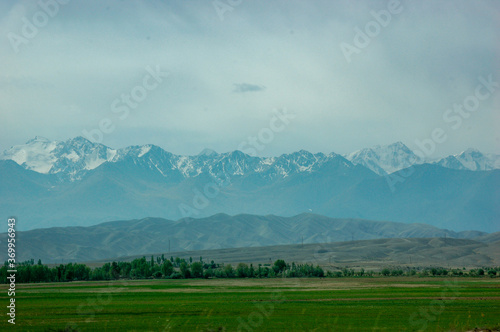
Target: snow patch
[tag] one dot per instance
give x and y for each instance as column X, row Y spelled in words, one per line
column 36, row 155
column 145, row 149
column 73, row 156
column 110, row 154
column 94, row 163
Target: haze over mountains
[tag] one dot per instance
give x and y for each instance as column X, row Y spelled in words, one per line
column 155, row 235
column 77, row 182
column 394, row 157
column 72, row 159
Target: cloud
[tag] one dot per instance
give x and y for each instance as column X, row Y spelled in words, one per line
column 245, row 87
column 66, row 78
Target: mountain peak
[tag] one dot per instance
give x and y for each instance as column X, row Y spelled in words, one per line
column 74, row 157
column 471, row 151
column 79, row 142
column 384, row 159
column 471, row 159
column 237, row 154
column 38, row 139
column 80, row 139
column 398, row 144
column 207, row 152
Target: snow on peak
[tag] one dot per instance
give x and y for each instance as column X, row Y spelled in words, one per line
column 384, row 159
column 38, row 139
column 68, row 158
column 73, row 158
column 208, row 153
column 471, row 152
column 144, row 149
column 35, row 155
column 471, row 159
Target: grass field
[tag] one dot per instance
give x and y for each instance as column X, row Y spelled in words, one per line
column 362, row 304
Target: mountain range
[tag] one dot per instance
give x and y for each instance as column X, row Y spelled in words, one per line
column 388, row 159
column 73, row 158
column 155, row 235
column 76, row 182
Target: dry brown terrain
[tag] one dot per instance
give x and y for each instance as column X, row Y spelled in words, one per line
column 369, row 254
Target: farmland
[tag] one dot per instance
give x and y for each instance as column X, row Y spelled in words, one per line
column 292, row 304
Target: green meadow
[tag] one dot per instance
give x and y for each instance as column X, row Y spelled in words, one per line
column 292, row 304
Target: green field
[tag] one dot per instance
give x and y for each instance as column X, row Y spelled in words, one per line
column 357, row 304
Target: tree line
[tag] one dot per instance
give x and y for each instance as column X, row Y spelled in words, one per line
column 179, row 268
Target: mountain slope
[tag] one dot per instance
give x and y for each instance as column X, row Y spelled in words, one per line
column 426, row 193
column 87, row 183
column 384, row 159
column 367, row 254
column 472, row 160
column 70, row 159
column 73, row 158
column 137, row 237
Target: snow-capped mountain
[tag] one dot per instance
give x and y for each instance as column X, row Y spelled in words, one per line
column 387, row 159
column 384, row 159
column 72, row 159
column 77, row 182
column 471, row 159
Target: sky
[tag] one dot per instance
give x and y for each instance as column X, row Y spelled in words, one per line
column 324, row 76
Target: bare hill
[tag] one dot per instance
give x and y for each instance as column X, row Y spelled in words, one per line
column 153, row 235
column 369, row 254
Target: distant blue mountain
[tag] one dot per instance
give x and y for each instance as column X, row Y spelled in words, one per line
column 78, row 182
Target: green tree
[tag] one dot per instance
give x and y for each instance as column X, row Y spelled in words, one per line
column 125, row 268
column 197, row 270
column 242, row 270
column 184, row 270
column 167, row 268
column 251, row 272
column 229, row 271
column 279, row 266
column 37, row 273
column 115, row 270
column 209, row 273
column 140, row 268
column 81, row 271
column 318, row 272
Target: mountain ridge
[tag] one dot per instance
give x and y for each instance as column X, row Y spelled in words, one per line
column 73, row 158
column 147, row 235
column 149, row 181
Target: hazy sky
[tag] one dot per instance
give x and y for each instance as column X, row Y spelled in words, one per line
column 231, row 67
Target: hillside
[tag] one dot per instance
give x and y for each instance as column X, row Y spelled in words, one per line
column 369, row 254
column 79, row 183
column 153, row 235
